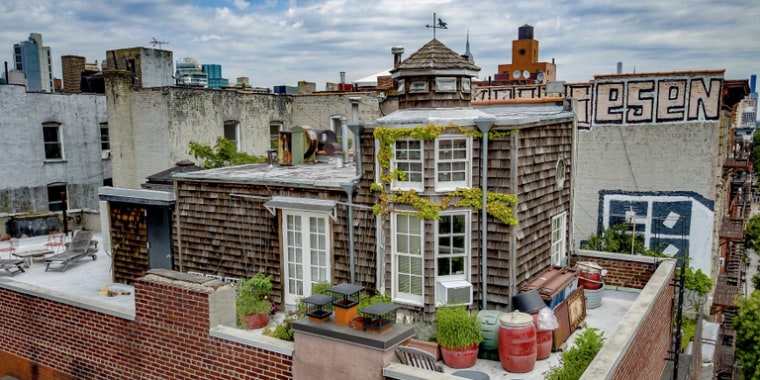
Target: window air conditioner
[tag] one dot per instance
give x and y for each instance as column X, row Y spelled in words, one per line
column 105, row 154
column 454, row 292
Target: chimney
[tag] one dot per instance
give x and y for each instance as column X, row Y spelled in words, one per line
column 397, row 52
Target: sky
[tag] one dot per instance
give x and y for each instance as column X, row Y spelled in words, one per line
column 277, row 42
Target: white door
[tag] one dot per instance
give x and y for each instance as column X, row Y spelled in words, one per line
column 307, row 259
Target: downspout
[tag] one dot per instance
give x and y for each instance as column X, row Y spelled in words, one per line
column 349, row 189
column 515, row 150
column 484, row 125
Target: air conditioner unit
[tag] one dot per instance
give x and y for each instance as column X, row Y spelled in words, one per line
column 454, row 292
column 105, row 154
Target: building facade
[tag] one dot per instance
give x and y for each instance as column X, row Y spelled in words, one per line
column 34, row 60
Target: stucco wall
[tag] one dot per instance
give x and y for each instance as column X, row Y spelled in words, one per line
column 26, row 173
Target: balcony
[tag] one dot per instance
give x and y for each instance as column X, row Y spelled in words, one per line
column 732, row 229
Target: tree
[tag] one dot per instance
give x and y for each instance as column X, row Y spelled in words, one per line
column 747, row 325
column 224, row 153
column 620, row 239
column 752, row 233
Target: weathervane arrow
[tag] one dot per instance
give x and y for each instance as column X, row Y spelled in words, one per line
column 439, row 25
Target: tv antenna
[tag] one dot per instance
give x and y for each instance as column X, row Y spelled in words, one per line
column 155, row 42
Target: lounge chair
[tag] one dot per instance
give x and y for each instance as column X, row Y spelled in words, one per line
column 81, row 245
column 417, row 358
column 12, row 266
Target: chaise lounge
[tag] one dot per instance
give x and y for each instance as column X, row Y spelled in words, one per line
column 12, row 266
column 81, row 245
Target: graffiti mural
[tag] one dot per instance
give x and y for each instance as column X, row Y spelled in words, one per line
column 674, row 222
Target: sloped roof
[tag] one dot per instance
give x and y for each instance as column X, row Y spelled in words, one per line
column 434, row 55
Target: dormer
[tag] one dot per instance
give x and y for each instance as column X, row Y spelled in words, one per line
column 433, row 77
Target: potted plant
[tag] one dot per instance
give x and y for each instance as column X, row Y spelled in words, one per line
column 253, row 305
column 458, row 333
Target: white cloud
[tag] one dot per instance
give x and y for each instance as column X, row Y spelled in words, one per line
column 281, row 42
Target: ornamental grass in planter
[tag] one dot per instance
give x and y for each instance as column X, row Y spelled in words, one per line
column 458, row 333
column 253, row 305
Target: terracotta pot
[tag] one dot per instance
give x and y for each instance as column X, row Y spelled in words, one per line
column 256, row 321
column 460, row 358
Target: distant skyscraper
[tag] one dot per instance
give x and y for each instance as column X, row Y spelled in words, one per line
column 189, row 73
column 214, row 73
column 34, row 60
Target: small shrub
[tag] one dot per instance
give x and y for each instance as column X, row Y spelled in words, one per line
column 574, row 361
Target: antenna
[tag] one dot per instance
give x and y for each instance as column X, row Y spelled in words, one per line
column 155, row 42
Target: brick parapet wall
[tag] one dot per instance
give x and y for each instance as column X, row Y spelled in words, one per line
column 167, row 337
column 640, row 346
column 623, row 270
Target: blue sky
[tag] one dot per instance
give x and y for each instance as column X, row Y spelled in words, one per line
column 282, row 42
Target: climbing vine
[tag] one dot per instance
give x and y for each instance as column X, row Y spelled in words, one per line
column 500, row 206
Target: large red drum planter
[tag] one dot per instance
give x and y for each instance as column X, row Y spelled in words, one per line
column 517, row 342
column 543, row 340
column 590, row 276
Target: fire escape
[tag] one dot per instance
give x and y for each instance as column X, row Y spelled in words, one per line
column 731, row 278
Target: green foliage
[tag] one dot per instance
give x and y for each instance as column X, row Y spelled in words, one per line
column 752, row 233
column 574, row 361
column 284, row 329
column 366, row 299
column 688, row 328
column 224, row 153
column 696, row 281
column 425, row 331
column 425, row 208
column 500, row 206
column 619, row 238
column 252, row 295
column 755, row 155
column 747, row 326
column 456, row 328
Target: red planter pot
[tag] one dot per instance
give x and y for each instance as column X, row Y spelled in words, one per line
column 256, row 321
column 460, row 358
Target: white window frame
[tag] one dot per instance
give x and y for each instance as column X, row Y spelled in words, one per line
column 58, row 142
column 418, row 86
column 399, row 255
column 466, row 161
column 401, row 86
column 302, row 241
column 559, row 239
column 445, row 84
column 406, row 162
column 465, row 235
column 466, row 86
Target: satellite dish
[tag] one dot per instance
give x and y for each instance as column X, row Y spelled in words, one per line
column 526, row 74
column 540, row 77
column 516, row 74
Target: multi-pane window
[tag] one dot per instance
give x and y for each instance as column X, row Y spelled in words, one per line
column 452, row 164
column 51, row 134
column 559, row 225
column 408, row 158
column 445, row 84
column 232, row 133
column 307, row 253
column 56, row 196
column 453, row 249
column 408, row 258
column 105, row 139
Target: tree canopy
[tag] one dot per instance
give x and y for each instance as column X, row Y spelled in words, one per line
column 747, row 325
column 752, row 233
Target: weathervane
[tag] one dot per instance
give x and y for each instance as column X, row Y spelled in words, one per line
column 439, row 25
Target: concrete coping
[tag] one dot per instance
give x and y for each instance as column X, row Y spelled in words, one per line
column 253, row 339
column 68, row 299
column 328, row 329
column 620, row 256
column 406, row 372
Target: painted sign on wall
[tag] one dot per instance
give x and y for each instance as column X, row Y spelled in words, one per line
column 673, row 222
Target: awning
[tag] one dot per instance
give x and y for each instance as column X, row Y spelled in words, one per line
column 302, row 204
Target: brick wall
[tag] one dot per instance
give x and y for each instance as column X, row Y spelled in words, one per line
column 627, row 271
column 168, row 337
column 640, row 346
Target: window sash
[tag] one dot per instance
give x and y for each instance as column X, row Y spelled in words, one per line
column 452, row 163
column 408, row 255
column 559, row 224
column 52, row 139
column 408, row 157
column 452, row 251
column 307, row 251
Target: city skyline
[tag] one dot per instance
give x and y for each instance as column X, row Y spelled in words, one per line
column 282, row 42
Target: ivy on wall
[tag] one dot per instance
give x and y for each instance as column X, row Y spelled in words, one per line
column 500, row 206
